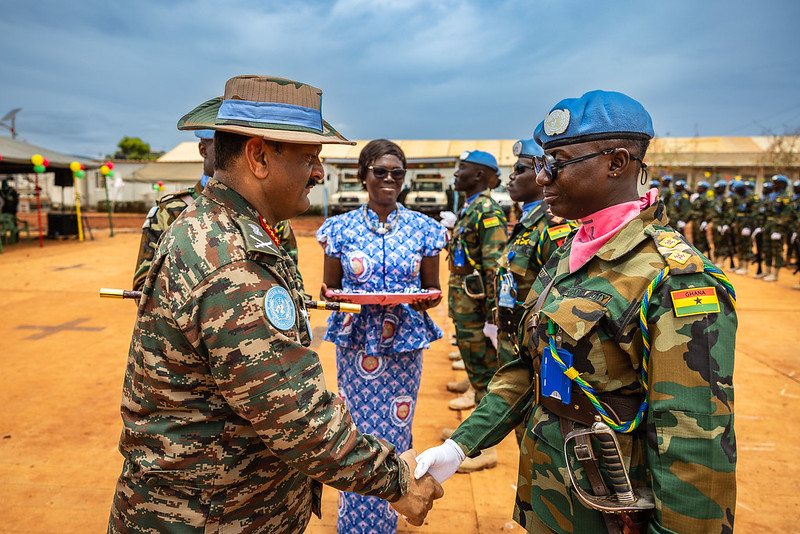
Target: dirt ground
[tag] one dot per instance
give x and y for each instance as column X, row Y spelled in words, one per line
column 63, row 352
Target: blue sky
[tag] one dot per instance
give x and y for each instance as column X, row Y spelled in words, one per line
column 88, row 73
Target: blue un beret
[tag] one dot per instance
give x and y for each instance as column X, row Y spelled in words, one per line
column 780, row 178
column 527, row 148
column 481, row 158
column 204, row 134
column 596, row 115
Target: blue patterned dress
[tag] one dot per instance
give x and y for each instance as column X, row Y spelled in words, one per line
column 379, row 351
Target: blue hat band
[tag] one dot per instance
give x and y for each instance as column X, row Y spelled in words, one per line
column 595, row 137
column 270, row 113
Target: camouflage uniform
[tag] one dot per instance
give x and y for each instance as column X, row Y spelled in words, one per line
column 531, row 243
column 685, row 448
column 701, row 212
column 157, row 221
column 227, row 422
column 746, row 217
column 680, row 208
column 167, row 210
column 723, row 215
column 778, row 212
column 480, row 234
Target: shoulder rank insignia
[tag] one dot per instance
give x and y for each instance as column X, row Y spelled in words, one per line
column 695, row 301
column 255, row 238
column 680, row 257
column 668, row 242
column 279, row 308
column 491, row 222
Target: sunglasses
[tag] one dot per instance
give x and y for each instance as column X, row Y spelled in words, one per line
column 519, row 168
column 380, row 173
column 550, row 166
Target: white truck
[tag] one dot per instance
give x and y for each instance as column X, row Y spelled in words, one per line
column 349, row 196
column 427, row 195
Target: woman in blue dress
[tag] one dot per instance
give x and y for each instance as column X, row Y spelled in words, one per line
column 380, row 247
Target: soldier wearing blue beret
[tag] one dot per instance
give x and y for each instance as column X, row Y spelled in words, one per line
column 624, row 376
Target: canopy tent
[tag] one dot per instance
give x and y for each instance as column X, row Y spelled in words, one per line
column 17, row 159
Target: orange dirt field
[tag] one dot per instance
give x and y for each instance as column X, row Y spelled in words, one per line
column 63, row 352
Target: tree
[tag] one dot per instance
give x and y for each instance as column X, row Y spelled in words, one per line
column 133, row 148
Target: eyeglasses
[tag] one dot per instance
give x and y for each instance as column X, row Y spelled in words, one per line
column 519, row 167
column 380, row 173
column 550, row 166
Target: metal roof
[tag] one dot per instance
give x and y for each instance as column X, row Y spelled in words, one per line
column 17, row 157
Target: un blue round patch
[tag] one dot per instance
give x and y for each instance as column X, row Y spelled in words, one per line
column 279, row 308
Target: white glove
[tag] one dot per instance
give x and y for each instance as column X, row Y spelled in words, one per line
column 725, row 228
column 756, row 232
column 441, row 462
column 776, row 236
column 681, row 225
column 746, row 231
column 490, row 331
column 448, row 219
column 794, row 238
column 703, row 226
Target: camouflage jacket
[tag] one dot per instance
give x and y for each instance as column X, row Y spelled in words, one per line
column 531, row 243
column 289, row 244
column 685, row 448
column 779, row 212
column 680, row 207
column 480, row 232
column 702, row 208
column 156, row 223
column 227, row 422
column 725, row 209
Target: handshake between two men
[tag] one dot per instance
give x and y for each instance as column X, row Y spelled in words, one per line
column 433, row 466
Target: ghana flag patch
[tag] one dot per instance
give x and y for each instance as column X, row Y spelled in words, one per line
column 491, row 222
column 559, row 232
column 695, row 301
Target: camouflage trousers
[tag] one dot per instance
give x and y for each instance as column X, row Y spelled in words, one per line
column 773, row 249
column 744, row 247
column 477, row 351
column 721, row 242
column 699, row 238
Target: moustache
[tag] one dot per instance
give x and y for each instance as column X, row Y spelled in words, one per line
column 311, row 182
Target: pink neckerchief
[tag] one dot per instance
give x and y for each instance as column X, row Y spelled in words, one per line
column 599, row 227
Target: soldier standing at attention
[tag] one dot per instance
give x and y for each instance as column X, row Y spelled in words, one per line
column 681, row 208
column 700, row 213
column 227, row 425
column 478, row 238
column 777, row 225
column 627, row 325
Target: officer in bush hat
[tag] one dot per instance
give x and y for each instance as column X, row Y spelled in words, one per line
column 227, row 422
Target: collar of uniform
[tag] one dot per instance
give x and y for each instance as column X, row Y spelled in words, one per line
column 633, row 233
column 533, row 216
column 476, row 199
column 230, row 199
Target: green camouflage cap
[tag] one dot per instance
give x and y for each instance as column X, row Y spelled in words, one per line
column 271, row 108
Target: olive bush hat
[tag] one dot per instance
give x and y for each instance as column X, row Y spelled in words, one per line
column 271, row 108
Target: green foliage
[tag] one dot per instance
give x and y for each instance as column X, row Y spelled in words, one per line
column 133, row 148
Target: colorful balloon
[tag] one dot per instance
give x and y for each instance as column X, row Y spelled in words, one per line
column 80, row 174
column 109, row 165
column 104, row 170
column 1, row 157
column 155, row 187
column 45, row 162
column 38, row 168
column 110, row 174
column 37, row 159
column 83, row 168
column 74, row 166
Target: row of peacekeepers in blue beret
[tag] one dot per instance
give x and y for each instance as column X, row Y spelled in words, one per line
column 606, row 346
